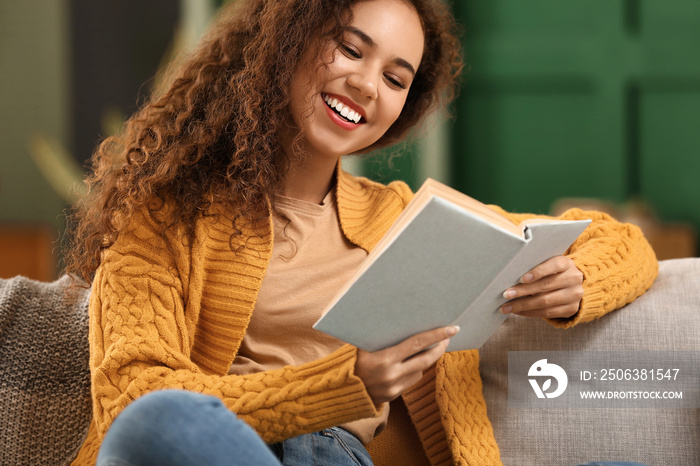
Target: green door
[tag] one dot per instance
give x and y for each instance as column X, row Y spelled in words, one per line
column 592, row 98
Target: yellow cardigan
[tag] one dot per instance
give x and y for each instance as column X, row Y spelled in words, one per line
column 170, row 312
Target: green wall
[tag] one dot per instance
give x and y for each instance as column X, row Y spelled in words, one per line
column 592, row 98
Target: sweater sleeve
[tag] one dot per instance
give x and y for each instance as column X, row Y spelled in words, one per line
column 143, row 327
column 617, row 263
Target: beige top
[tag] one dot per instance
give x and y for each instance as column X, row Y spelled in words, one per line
column 311, row 259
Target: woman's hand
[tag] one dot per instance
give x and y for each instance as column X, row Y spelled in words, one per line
column 390, row 372
column 553, row 289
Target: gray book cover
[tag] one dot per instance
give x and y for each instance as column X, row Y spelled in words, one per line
column 446, row 267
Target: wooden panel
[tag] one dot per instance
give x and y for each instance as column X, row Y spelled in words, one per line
column 26, row 250
column 668, row 19
column 595, row 98
column 669, row 151
column 542, row 112
column 518, row 17
column 524, row 147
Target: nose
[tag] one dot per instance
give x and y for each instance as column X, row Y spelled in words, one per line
column 365, row 82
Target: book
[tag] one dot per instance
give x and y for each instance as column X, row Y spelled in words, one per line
column 446, row 260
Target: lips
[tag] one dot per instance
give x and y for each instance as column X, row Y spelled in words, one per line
column 344, row 108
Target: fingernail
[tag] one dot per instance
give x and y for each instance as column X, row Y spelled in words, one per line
column 506, row 308
column 526, row 278
column 510, row 293
column 452, row 331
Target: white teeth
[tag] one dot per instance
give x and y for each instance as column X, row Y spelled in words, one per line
column 342, row 109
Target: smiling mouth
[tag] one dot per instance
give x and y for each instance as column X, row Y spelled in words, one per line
column 342, row 110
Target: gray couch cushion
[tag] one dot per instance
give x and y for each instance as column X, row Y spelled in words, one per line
column 665, row 318
column 44, row 377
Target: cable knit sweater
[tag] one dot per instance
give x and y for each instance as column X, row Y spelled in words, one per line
column 170, row 312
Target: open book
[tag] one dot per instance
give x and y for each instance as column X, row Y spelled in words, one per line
column 447, row 260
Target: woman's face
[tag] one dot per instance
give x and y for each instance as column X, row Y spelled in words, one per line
column 349, row 104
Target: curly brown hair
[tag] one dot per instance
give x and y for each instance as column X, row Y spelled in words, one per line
column 214, row 134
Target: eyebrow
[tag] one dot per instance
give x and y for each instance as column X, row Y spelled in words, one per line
column 370, row 42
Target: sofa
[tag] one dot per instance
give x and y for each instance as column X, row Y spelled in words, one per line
column 665, row 318
column 45, row 384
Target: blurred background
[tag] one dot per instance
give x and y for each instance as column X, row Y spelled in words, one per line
column 590, row 103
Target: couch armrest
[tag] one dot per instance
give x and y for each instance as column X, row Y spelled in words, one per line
column 666, row 318
column 45, row 405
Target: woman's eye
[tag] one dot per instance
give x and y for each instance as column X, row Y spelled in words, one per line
column 350, row 50
column 395, row 81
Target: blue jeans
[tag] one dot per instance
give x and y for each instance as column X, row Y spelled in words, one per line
column 334, row 446
column 180, row 428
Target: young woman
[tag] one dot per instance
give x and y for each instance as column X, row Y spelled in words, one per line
column 220, row 224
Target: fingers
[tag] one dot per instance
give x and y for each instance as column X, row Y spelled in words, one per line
column 389, row 372
column 563, row 279
column 556, row 304
column 548, row 269
column 421, row 361
column 556, row 312
column 553, row 289
column 421, row 342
